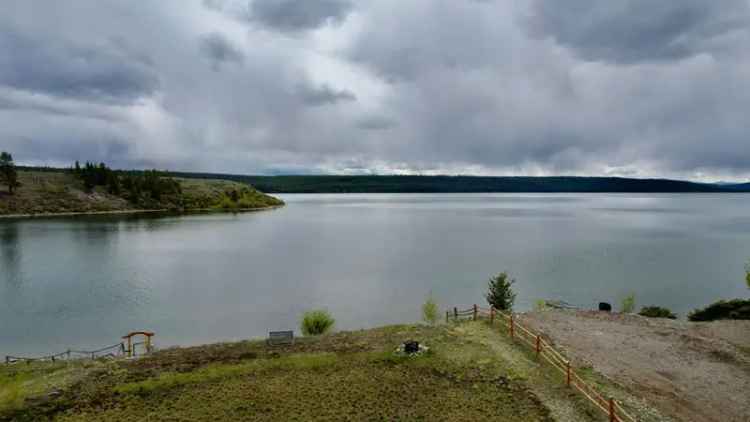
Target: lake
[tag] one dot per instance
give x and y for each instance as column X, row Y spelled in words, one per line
column 371, row 259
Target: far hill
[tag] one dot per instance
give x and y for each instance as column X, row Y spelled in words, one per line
column 52, row 191
column 456, row 184
column 739, row 187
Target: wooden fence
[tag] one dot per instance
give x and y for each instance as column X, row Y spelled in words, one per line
column 115, row 350
column 545, row 351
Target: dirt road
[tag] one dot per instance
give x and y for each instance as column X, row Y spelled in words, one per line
column 689, row 371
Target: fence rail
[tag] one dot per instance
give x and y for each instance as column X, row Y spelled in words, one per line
column 112, row 351
column 115, row 350
column 545, row 351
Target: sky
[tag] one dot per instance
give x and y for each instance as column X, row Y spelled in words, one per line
column 633, row 88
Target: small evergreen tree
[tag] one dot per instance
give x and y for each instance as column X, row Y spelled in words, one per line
column 500, row 294
column 8, row 174
column 747, row 274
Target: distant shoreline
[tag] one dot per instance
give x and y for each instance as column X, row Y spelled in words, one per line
column 132, row 212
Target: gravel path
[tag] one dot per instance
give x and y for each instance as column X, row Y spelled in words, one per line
column 689, row 371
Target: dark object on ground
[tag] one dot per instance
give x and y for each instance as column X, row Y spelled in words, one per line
column 657, row 312
column 411, row 347
column 280, row 337
column 604, row 306
column 723, row 309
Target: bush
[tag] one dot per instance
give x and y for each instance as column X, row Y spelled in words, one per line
column 747, row 274
column 500, row 294
column 316, row 322
column 657, row 312
column 430, row 311
column 628, row 304
column 723, row 309
column 540, row 305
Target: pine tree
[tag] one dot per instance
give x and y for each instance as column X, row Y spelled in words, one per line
column 8, row 174
column 500, row 295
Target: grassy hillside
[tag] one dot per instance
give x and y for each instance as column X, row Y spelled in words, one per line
column 446, row 184
column 471, row 372
column 43, row 192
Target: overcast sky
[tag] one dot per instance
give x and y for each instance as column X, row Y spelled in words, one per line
column 637, row 88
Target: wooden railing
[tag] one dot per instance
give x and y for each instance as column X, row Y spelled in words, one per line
column 544, row 350
column 115, row 350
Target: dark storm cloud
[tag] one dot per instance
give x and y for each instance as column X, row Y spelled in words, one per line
column 375, row 123
column 323, row 95
column 636, row 30
column 220, row 50
column 636, row 88
column 99, row 70
column 298, row 15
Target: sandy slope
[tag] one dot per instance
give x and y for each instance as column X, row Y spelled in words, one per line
column 690, row 371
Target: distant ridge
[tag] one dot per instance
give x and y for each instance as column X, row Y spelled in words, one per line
column 467, row 184
column 454, row 184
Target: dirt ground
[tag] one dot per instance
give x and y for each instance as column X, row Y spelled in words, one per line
column 689, row 371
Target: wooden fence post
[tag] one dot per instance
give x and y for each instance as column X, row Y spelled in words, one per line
column 475, row 312
column 511, row 325
column 447, row 315
column 455, row 313
column 612, row 417
column 538, row 346
column 567, row 370
column 492, row 315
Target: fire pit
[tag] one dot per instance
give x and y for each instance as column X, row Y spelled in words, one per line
column 411, row 348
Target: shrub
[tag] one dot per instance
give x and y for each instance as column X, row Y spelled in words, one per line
column 723, row 309
column 628, row 304
column 430, row 311
column 540, row 305
column 657, row 312
column 500, row 292
column 747, row 274
column 316, row 322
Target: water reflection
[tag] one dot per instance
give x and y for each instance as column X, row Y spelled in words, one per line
column 370, row 259
column 10, row 254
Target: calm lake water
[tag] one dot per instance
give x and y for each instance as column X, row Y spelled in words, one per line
column 370, row 259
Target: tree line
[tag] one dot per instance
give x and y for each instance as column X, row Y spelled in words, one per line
column 138, row 187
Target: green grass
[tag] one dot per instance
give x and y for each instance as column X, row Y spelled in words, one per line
column 471, row 372
column 211, row 373
column 21, row 381
column 341, row 376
